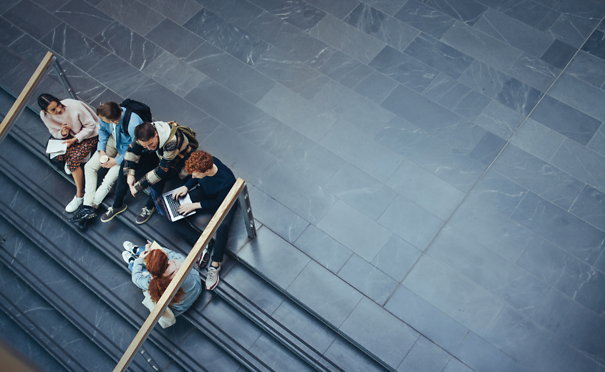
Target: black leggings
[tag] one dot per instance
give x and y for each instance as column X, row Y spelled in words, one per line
column 200, row 220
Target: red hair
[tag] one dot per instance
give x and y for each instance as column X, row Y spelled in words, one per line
column 157, row 263
column 198, row 161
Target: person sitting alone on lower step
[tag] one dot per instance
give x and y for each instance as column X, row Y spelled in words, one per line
column 153, row 270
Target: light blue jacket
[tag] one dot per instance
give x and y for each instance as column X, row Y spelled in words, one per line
column 192, row 286
column 122, row 139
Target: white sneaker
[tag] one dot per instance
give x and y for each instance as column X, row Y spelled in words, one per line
column 127, row 256
column 67, row 171
column 74, row 204
column 212, row 278
column 130, row 247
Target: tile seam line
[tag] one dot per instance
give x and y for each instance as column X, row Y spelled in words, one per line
column 499, row 153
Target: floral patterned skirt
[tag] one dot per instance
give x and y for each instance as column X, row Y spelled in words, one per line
column 78, row 152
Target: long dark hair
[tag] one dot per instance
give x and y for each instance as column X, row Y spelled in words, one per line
column 45, row 99
column 157, row 263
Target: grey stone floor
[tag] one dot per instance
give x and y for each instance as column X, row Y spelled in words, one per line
column 430, row 175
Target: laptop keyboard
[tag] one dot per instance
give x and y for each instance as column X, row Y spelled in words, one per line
column 173, row 205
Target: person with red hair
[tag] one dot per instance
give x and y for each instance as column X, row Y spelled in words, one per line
column 210, row 182
column 154, row 269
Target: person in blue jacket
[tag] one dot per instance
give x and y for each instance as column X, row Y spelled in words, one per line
column 113, row 143
column 154, row 269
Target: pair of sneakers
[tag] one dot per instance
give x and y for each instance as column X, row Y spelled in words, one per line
column 130, row 252
column 143, row 217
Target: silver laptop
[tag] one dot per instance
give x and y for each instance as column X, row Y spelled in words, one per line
column 170, row 207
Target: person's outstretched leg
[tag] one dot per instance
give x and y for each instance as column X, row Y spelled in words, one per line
column 222, row 236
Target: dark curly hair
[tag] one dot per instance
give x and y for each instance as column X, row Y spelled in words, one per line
column 198, row 161
column 157, row 263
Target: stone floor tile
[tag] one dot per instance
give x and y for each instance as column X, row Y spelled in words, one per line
column 360, row 191
column 538, row 176
column 481, row 46
column 83, row 17
column 323, row 249
column 238, row 12
column 480, row 355
column 297, row 12
column 347, row 39
column 560, row 227
column 133, row 14
column 282, row 265
column 396, row 258
column 325, row 294
column 276, row 217
column 387, row 29
column 411, row 222
column 369, row 281
column 515, row 33
column 534, row 347
column 453, row 294
column 354, row 230
column 179, row 11
column 426, row 19
column 492, row 229
column 538, row 140
column 460, row 170
column 425, row 189
column 568, row 274
column 424, row 356
column 348, row 357
column 128, row 45
column 491, row 271
column 380, row 332
column 165, row 33
column 31, row 18
column 580, row 162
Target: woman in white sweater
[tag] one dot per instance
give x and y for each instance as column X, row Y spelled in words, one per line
column 76, row 123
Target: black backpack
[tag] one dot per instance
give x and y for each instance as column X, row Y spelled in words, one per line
column 138, row 108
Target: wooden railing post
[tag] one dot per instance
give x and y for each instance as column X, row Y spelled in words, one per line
column 180, row 276
column 21, row 101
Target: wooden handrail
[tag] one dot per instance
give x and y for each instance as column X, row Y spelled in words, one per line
column 21, row 101
column 180, row 276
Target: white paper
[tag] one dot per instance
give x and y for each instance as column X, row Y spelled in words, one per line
column 56, row 147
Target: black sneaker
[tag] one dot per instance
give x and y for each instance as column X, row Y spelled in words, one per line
column 205, row 258
column 112, row 212
column 85, row 212
column 145, row 215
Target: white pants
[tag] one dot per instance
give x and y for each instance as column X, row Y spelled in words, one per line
column 93, row 196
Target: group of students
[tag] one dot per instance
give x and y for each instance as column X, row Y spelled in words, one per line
column 139, row 153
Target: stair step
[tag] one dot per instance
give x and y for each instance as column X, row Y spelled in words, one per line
column 19, row 339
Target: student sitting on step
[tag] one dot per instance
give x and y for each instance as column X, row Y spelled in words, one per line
column 76, row 123
column 210, row 182
column 158, row 154
column 113, row 143
column 153, row 270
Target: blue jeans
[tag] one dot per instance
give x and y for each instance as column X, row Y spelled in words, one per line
column 139, row 251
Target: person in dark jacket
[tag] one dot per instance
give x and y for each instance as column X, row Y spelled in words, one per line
column 210, row 183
